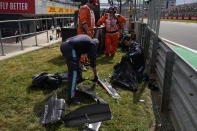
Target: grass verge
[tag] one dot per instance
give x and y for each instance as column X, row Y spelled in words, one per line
column 21, row 105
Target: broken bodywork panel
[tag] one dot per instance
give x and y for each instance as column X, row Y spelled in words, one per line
column 91, row 115
column 86, row 90
column 53, row 110
column 110, row 90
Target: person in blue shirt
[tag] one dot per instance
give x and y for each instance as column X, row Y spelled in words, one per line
column 136, row 54
column 72, row 49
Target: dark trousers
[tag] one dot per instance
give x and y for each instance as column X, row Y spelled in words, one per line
column 74, row 69
column 16, row 39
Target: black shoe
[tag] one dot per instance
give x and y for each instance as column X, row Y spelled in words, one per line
column 81, row 79
column 74, row 101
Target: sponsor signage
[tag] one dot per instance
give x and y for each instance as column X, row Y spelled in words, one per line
column 180, row 18
column 17, row 6
column 186, row 17
column 193, row 17
column 59, row 10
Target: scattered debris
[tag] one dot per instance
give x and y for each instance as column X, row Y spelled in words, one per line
column 111, row 91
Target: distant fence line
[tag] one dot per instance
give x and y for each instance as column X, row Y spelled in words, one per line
column 37, row 26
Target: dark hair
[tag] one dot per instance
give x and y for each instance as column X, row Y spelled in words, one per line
column 83, row 2
column 127, row 37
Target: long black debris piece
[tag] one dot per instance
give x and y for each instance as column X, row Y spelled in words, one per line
column 87, row 115
column 110, row 90
column 86, row 90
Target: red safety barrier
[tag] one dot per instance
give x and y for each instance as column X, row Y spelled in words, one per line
column 193, row 17
column 180, row 18
column 169, row 17
column 186, row 17
column 166, row 17
column 174, row 17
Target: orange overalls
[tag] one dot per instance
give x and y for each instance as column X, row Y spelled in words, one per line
column 112, row 34
column 86, row 15
column 121, row 20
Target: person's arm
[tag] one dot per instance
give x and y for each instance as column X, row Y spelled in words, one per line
column 101, row 20
column 135, row 50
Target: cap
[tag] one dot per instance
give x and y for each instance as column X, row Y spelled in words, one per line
column 95, row 2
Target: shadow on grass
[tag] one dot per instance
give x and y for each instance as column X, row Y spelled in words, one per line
column 45, row 91
column 59, row 60
column 104, row 60
column 162, row 119
column 137, row 95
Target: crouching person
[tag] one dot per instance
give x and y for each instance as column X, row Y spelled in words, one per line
column 72, row 49
column 136, row 54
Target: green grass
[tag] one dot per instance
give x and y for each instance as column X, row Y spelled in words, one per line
column 21, row 104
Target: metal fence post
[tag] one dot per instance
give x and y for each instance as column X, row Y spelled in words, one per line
column 20, row 31
column 55, row 27
column 154, row 53
column 35, row 33
column 143, row 11
column 47, row 31
column 170, row 57
column 2, row 49
column 63, row 22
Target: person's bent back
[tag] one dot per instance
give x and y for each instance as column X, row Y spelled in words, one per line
column 72, row 49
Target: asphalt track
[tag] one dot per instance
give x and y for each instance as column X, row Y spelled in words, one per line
column 184, row 34
column 181, row 33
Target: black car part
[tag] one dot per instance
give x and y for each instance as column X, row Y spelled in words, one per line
column 53, row 110
column 110, row 90
column 85, row 89
column 87, row 115
column 124, row 75
column 91, row 115
column 45, row 80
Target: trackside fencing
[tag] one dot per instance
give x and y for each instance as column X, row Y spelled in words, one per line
column 48, row 24
column 176, row 78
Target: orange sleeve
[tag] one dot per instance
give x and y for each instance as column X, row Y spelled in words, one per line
column 121, row 20
column 83, row 15
column 101, row 20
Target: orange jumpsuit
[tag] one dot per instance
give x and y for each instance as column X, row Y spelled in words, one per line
column 86, row 15
column 112, row 34
column 121, row 20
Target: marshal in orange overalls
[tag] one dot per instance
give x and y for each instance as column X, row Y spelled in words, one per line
column 86, row 15
column 112, row 34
